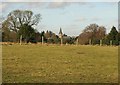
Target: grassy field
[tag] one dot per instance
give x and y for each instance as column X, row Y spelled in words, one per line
column 59, row 64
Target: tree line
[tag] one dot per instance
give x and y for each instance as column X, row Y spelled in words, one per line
column 19, row 25
column 95, row 34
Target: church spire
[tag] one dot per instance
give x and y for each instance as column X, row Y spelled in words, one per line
column 61, row 36
column 60, row 32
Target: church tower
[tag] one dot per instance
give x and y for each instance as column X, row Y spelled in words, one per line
column 60, row 33
column 61, row 36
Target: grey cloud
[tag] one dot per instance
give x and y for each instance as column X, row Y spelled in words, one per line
column 80, row 19
column 3, row 6
column 64, row 4
column 50, row 5
column 60, row 1
column 25, row 1
column 58, row 4
column 36, row 4
column 95, row 19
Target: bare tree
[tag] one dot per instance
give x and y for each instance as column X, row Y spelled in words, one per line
column 101, row 32
column 93, row 33
column 17, row 18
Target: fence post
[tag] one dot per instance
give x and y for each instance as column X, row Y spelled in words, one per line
column 77, row 42
column 100, row 42
column 90, row 42
column 111, row 42
column 42, row 40
column 21, row 40
column 61, row 41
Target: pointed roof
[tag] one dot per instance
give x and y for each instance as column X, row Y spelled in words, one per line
column 60, row 32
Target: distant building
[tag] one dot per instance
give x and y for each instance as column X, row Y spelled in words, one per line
column 60, row 33
column 61, row 36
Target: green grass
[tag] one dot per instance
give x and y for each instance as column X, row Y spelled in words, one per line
column 60, row 64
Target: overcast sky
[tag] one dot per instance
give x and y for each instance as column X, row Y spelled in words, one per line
column 72, row 17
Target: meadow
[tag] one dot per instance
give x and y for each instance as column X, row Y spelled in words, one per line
column 59, row 64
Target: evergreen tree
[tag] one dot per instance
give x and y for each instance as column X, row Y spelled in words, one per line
column 113, row 36
column 113, row 33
